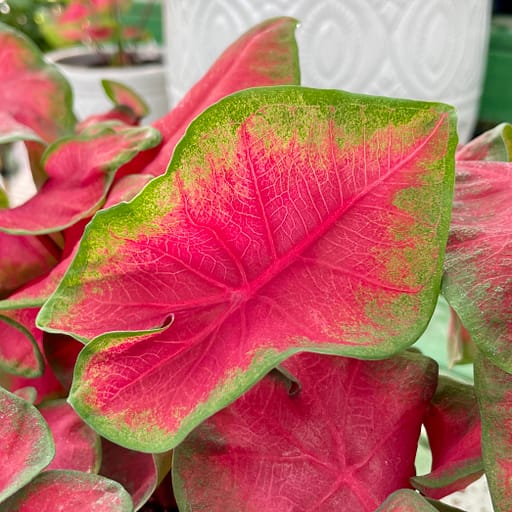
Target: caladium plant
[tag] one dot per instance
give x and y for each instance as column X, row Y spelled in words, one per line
column 239, row 287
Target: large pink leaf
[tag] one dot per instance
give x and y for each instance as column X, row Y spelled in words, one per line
column 23, row 258
column 494, row 391
column 34, row 93
column 19, row 343
column 139, row 473
column 26, row 445
column 478, row 263
column 266, row 237
column 80, row 171
column 454, row 431
column 345, row 441
column 71, row 490
column 265, row 55
column 77, row 446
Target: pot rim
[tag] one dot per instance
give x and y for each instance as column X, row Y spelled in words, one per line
column 56, row 56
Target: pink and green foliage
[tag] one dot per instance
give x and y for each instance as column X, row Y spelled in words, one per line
column 139, row 473
column 405, row 500
column 239, row 244
column 454, row 431
column 21, row 355
column 477, row 281
column 77, row 446
column 80, row 172
column 26, row 447
column 290, row 221
column 121, row 95
column 71, row 490
column 265, row 55
column 345, row 441
column 34, row 94
column 23, row 258
column 494, row 389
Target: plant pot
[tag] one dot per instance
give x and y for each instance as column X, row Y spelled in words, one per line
column 433, row 50
column 82, row 70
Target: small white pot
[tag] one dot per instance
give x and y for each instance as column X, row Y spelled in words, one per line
column 421, row 49
column 148, row 80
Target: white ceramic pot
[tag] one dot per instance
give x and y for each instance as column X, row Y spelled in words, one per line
column 422, row 49
column 89, row 98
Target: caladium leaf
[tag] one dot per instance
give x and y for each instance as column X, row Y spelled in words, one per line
column 405, row 500
column 494, row 145
column 77, row 446
column 72, row 490
column 326, row 239
column 80, row 170
column 344, row 442
column 454, row 430
column 494, row 392
column 19, row 343
column 27, row 445
column 477, row 281
column 139, row 473
column 265, row 55
column 36, row 292
column 34, row 93
column 124, row 96
column 23, row 258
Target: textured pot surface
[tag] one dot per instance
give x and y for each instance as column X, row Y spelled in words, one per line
column 433, row 50
column 89, row 98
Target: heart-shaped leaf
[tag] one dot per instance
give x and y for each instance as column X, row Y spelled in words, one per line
column 26, row 447
column 34, row 93
column 19, row 343
column 139, row 473
column 494, row 392
column 345, row 441
column 77, row 446
column 23, row 258
column 478, row 264
column 80, row 171
column 282, row 225
column 71, row 490
column 454, row 430
column 265, row 55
